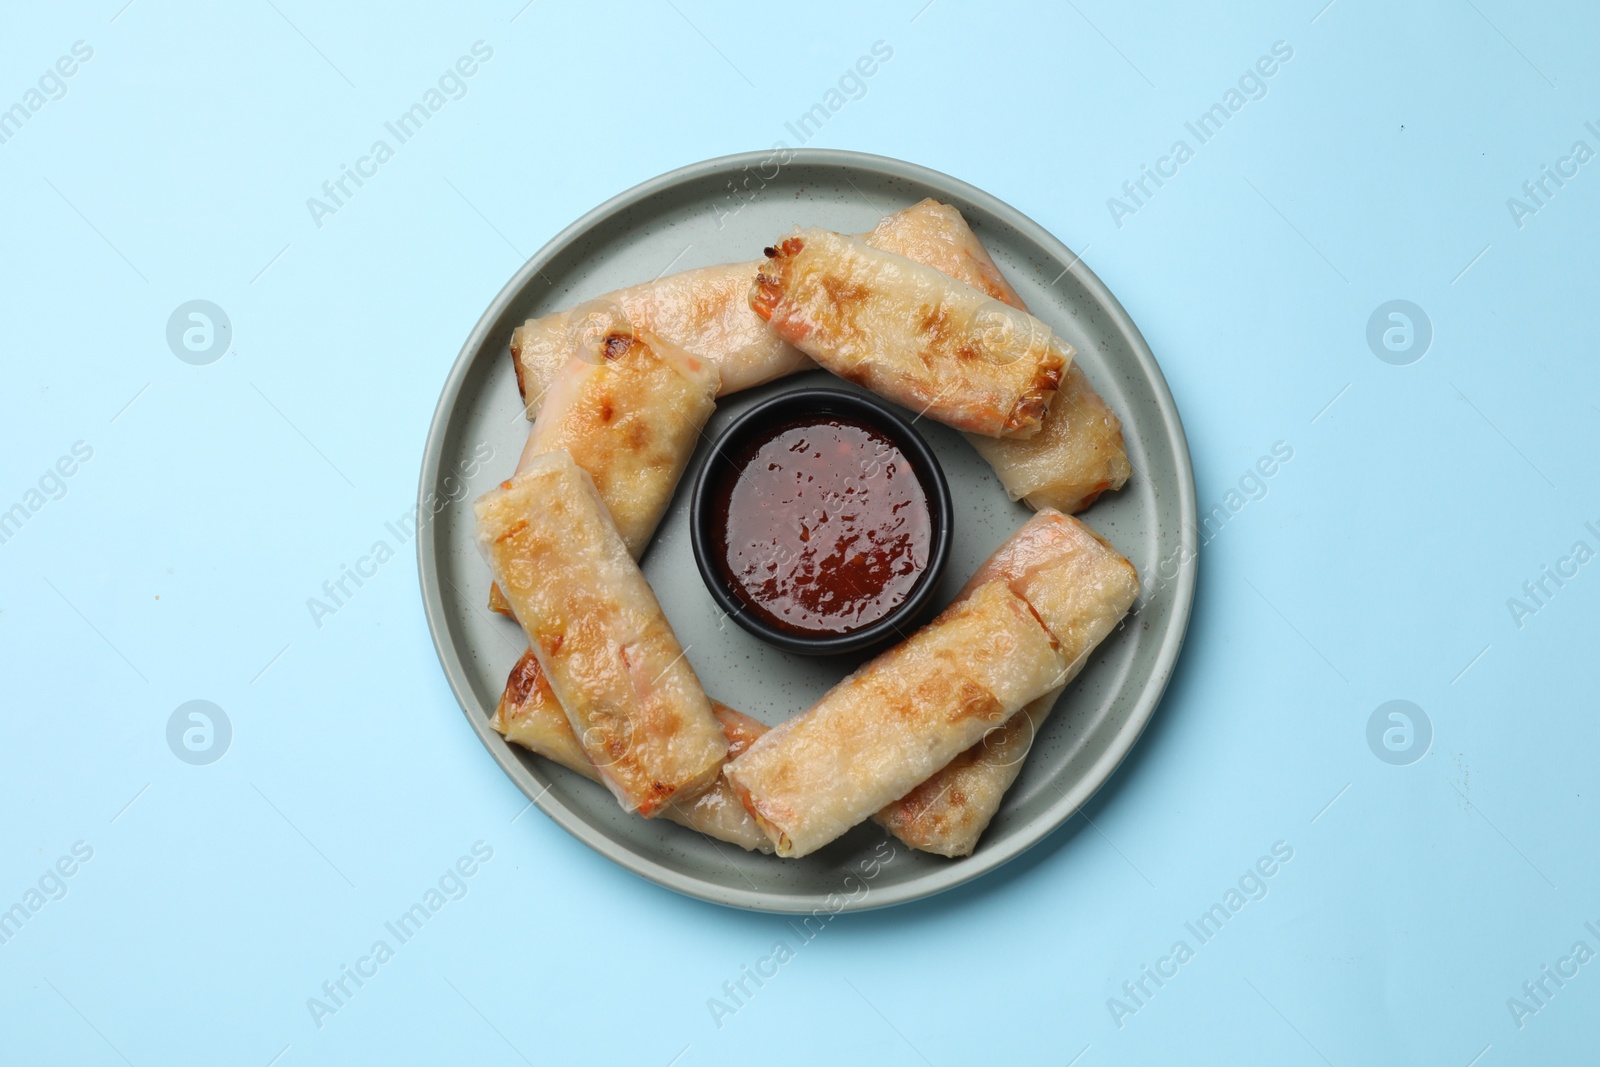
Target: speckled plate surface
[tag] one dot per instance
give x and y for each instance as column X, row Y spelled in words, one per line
column 689, row 218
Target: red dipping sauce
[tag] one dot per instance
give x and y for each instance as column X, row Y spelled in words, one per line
column 822, row 525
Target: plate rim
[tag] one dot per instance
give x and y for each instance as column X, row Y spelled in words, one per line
column 959, row 871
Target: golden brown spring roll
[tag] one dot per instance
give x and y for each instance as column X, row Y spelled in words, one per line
column 949, row 812
column 1076, row 455
column 911, row 333
column 717, row 812
column 598, row 632
column 704, row 311
column 1078, row 452
column 937, row 235
column 631, row 416
column 897, row 720
column 529, row 715
column 1081, row 588
column 707, row 311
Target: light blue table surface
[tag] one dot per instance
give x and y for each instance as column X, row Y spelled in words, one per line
column 1384, row 159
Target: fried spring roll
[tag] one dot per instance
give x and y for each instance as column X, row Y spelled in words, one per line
column 529, row 715
column 1081, row 588
column 949, row 812
column 599, row 635
column 707, row 311
column 1077, row 583
column 631, row 417
column 897, row 720
column 717, row 812
column 911, row 333
column 1076, row 455
column 936, row 235
column 1078, row 452
column 704, row 311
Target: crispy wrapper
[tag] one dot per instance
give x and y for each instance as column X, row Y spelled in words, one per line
column 1081, row 588
column 631, row 418
column 949, row 812
column 630, row 413
column 529, row 715
column 894, row 722
column 936, row 235
column 703, row 311
column 911, row 333
column 1077, row 454
column 599, row 635
column 706, row 311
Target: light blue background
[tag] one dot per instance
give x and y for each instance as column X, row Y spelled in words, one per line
column 220, row 497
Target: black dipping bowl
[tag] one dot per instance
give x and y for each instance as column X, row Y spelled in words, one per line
column 721, row 463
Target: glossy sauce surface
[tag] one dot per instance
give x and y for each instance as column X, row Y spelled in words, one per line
column 824, row 525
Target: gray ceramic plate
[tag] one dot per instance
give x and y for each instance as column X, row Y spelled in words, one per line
column 689, row 218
